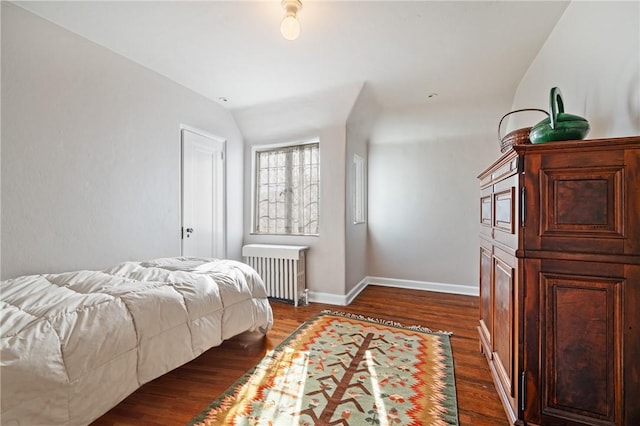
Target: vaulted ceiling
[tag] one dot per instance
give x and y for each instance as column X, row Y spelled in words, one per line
column 403, row 51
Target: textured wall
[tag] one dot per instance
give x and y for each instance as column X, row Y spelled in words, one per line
column 593, row 56
column 423, row 193
column 91, row 153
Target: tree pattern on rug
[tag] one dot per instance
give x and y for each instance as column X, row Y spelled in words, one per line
column 344, row 383
column 344, row 371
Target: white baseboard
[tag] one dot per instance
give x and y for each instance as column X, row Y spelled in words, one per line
column 344, row 300
column 467, row 290
column 328, row 298
column 335, row 299
column 355, row 291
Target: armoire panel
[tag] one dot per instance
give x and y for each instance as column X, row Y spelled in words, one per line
column 581, row 323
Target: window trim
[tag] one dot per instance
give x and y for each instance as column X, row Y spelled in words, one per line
column 268, row 147
column 359, row 188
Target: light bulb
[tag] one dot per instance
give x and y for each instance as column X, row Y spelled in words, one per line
column 290, row 27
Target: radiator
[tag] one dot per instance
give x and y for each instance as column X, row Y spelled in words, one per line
column 282, row 268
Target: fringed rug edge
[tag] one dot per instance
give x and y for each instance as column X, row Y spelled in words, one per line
column 452, row 406
column 380, row 321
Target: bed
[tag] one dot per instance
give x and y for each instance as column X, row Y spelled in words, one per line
column 73, row 345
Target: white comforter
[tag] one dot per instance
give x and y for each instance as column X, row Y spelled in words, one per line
column 75, row 344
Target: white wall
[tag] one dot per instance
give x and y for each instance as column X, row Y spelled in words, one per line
column 322, row 116
column 325, row 259
column 91, row 153
column 423, row 163
column 359, row 126
column 423, row 192
column 593, row 56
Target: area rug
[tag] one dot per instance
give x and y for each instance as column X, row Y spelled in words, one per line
column 345, row 369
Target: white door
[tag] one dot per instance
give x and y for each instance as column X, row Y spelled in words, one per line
column 203, row 197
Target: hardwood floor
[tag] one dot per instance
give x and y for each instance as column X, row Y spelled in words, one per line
column 176, row 397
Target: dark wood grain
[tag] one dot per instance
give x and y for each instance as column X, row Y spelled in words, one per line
column 576, row 290
column 500, row 283
column 179, row 395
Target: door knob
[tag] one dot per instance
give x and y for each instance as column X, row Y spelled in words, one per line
column 188, row 232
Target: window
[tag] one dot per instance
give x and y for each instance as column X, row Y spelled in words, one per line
column 287, row 189
column 359, row 190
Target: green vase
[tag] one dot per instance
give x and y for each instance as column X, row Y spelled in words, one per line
column 559, row 126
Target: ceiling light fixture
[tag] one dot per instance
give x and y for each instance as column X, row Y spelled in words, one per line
column 290, row 27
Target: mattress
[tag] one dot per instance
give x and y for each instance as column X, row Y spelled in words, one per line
column 73, row 345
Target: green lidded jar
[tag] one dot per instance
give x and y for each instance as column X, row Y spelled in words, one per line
column 559, row 126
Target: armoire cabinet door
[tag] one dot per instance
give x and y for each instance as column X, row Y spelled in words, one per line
column 486, row 298
column 583, row 202
column 504, row 325
column 583, row 341
column 578, row 342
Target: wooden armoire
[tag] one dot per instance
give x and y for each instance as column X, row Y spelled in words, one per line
column 560, row 281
